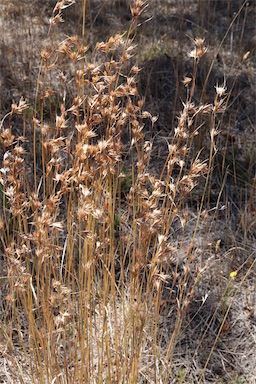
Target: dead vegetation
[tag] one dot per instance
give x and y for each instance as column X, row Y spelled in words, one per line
column 127, row 179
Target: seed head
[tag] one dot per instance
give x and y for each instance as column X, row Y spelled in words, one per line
column 137, row 8
column 18, row 109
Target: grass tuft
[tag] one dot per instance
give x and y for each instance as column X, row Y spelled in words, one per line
column 108, row 257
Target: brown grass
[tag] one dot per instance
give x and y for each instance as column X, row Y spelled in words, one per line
column 110, row 257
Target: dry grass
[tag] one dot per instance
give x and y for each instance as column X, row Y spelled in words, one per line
column 124, row 258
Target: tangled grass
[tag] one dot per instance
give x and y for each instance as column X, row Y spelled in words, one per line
column 99, row 281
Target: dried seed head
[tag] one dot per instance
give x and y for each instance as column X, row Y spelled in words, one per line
column 63, row 4
column 56, row 19
column 199, row 49
column 8, row 139
column 220, row 90
column 18, row 109
column 137, row 8
column 46, row 53
column 186, row 81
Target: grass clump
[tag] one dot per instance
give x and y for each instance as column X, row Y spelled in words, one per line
column 99, row 268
